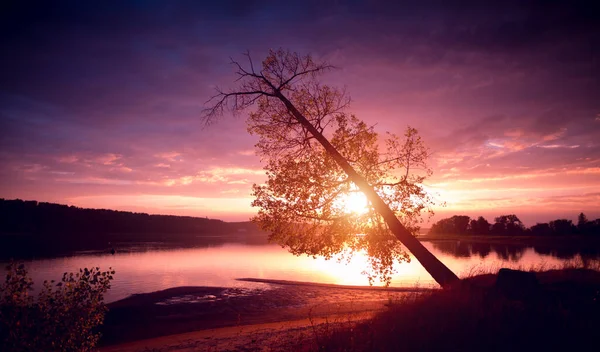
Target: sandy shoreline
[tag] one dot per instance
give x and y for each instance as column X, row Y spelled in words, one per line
column 284, row 335
column 221, row 318
column 341, row 287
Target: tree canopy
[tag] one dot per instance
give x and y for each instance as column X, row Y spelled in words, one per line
column 319, row 159
column 456, row 225
column 308, row 203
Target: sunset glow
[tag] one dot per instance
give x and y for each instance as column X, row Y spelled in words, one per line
column 107, row 116
column 299, row 175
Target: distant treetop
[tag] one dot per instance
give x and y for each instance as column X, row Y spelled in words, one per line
column 512, row 225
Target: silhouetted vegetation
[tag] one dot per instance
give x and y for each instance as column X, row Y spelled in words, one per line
column 511, row 225
column 509, row 239
column 480, row 226
column 63, row 317
column 30, row 228
column 562, row 312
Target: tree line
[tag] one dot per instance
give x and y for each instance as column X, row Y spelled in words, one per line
column 18, row 216
column 38, row 229
column 512, row 225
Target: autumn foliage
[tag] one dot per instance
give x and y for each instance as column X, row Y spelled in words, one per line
column 317, row 156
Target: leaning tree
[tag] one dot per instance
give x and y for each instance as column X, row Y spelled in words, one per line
column 317, row 156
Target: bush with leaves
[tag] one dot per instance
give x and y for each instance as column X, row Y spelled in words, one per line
column 63, row 317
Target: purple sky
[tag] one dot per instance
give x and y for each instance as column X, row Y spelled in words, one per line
column 100, row 100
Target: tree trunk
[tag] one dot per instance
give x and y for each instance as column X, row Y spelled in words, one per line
column 440, row 273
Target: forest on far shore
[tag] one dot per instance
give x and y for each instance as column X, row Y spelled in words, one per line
column 31, row 228
column 511, row 225
column 18, row 216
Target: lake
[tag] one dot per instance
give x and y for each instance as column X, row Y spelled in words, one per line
column 148, row 267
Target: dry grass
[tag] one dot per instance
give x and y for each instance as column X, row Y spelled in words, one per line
column 576, row 263
column 565, row 314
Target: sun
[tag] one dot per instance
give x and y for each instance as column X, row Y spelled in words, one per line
column 354, row 203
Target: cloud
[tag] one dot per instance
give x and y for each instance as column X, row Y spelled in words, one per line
column 169, row 156
column 231, row 208
column 554, row 146
column 108, row 100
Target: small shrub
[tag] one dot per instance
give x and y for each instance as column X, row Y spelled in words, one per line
column 63, row 317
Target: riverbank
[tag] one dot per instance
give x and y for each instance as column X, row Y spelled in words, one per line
column 186, row 309
column 291, row 335
column 564, row 312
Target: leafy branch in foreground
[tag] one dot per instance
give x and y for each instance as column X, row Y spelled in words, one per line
column 63, row 317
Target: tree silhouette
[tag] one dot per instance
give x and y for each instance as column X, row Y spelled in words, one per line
column 541, row 229
column 316, row 155
column 562, row 227
column 455, row 225
column 480, row 226
column 508, row 225
column 582, row 223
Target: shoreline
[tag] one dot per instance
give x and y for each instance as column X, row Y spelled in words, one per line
column 281, row 336
column 193, row 309
column 294, row 315
column 338, row 286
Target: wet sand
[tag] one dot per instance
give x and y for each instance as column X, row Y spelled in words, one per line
column 232, row 319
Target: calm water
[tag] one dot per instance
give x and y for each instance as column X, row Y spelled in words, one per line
column 150, row 268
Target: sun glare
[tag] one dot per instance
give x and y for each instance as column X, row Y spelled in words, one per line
column 351, row 273
column 354, row 202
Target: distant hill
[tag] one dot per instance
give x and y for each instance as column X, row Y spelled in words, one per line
column 36, row 227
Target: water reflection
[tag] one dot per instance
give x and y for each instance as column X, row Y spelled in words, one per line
column 147, row 268
column 514, row 252
column 465, row 249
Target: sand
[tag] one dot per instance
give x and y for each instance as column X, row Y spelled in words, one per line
column 284, row 316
